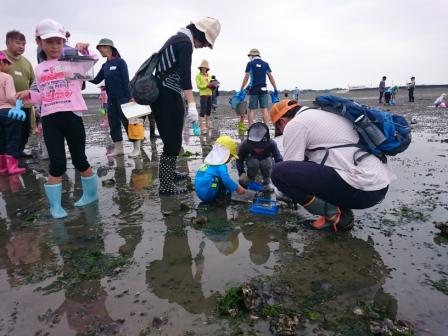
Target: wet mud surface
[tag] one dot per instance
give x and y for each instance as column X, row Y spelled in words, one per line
column 140, row 264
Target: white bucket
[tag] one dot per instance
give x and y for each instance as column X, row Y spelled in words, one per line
column 134, row 110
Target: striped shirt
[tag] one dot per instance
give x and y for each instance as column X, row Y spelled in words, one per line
column 174, row 67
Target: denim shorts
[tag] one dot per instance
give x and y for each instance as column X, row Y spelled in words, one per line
column 260, row 100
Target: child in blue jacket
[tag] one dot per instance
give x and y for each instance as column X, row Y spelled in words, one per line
column 212, row 179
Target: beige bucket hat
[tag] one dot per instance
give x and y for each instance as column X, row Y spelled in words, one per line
column 254, row 52
column 204, row 64
column 210, row 27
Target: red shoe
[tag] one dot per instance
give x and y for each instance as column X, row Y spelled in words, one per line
column 343, row 220
column 3, row 165
column 13, row 165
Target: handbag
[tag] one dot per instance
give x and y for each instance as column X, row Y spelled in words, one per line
column 136, row 130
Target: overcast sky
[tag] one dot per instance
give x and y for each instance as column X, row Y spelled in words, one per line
column 312, row 44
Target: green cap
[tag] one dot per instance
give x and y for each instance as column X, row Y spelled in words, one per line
column 105, row 42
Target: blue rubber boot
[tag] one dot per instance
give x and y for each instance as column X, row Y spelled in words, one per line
column 89, row 190
column 54, row 192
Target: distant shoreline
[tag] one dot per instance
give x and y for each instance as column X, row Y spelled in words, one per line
column 333, row 90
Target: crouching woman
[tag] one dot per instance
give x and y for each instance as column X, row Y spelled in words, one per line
column 326, row 182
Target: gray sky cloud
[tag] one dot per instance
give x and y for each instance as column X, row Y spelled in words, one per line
column 312, row 44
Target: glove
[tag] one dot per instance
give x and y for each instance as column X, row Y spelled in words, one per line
column 192, row 113
column 241, row 94
column 274, row 97
column 16, row 112
column 243, row 180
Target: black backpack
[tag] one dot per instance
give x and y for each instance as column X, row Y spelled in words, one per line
column 144, row 87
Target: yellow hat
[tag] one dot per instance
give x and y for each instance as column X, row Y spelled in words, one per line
column 204, row 64
column 227, row 142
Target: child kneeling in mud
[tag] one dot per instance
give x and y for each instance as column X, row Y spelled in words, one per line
column 212, row 181
column 61, row 105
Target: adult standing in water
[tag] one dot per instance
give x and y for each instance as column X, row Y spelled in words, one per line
column 116, row 77
column 174, row 77
column 22, row 73
column 205, row 93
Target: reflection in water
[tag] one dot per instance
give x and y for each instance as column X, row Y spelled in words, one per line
column 85, row 299
column 332, row 276
column 172, row 277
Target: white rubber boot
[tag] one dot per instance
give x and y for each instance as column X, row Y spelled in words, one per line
column 118, row 149
column 137, row 149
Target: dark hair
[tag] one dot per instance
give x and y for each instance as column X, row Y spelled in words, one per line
column 15, row 35
column 292, row 112
column 197, row 34
column 412, row 77
column 384, row 77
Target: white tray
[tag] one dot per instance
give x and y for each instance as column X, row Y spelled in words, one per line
column 134, row 110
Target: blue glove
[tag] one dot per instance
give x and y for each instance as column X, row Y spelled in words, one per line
column 196, row 129
column 241, row 95
column 16, row 112
column 274, row 97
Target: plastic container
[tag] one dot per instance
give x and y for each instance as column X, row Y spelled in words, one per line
column 196, row 129
column 255, row 186
column 264, row 206
column 77, row 67
column 134, row 110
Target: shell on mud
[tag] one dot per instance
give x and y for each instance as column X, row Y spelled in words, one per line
column 252, row 300
column 284, row 325
column 443, row 227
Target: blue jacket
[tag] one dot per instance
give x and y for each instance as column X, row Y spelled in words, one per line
column 207, row 181
column 116, row 76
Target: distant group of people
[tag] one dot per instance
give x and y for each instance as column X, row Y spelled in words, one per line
column 389, row 92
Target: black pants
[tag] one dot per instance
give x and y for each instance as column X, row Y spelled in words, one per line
column 116, row 118
column 10, row 134
column 387, row 96
column 300, row 180
column 169, row 112
column 206, row 105
column 57, row 128
column 381, row 96
column 25, row 129
column 411, row 95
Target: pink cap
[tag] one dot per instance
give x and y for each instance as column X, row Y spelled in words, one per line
column 49, row 28
column 4, row 57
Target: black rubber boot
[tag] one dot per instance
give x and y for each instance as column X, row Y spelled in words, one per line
column 167, row 176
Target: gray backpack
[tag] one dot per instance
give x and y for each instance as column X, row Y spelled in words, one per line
column 144, row 87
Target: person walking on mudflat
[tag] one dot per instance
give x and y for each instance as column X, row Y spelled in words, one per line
column 256, row 71
column 411, row 87
column 205, row 93
column 174, row 82
column 115, row 74
column 382, row 88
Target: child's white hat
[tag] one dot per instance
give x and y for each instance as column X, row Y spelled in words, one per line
column 48, row 28
column 217, row 156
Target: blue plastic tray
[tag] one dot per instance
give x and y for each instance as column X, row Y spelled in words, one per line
column 264, row 206
column 255, row 186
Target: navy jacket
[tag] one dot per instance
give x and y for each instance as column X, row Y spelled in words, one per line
column 116, row 76
column 258, row 150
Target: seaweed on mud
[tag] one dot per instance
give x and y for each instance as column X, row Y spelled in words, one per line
column 231, row 303
column 441, row 285
column 84, row 265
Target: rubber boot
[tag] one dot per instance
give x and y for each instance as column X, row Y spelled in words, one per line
column 89, row 190
column 332, row 217
column 152, row 127
column 15, row 183
column 3, row 165
column 54, row 193
column 267, row 185
column 242, row 128
column 118, row 149
column 167, row 173
column 137, row 149
column 13, row 165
